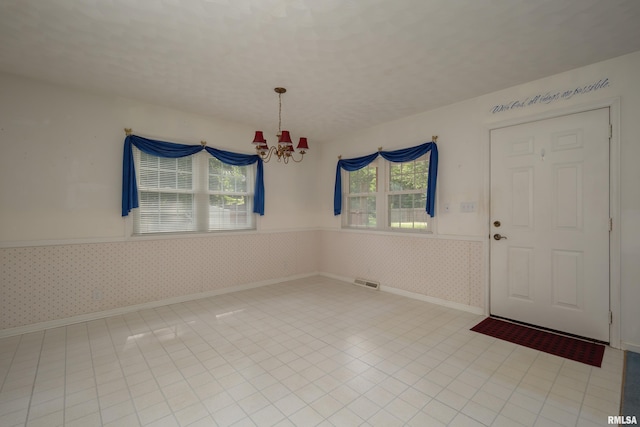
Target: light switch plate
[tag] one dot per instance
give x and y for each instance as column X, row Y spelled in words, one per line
column 467, row 207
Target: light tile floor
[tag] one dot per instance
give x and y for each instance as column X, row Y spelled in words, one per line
column 307, row 352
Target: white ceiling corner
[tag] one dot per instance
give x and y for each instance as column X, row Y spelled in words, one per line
column 347, row 64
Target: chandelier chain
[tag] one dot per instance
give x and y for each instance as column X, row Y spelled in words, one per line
column 279, row 114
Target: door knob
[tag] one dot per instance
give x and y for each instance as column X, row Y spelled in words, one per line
column 499, row 237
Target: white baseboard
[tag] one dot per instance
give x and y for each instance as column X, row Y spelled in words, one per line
column 631, row 347
column 57, row 323
column 433, row 300
column 36, row 327
column 421, row 297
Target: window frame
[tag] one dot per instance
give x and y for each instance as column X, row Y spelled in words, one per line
column 249, row 177
column 382, row 195
column 200, row 197
column 361, row 195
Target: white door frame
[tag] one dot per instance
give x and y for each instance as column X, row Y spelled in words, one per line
column 614, row 199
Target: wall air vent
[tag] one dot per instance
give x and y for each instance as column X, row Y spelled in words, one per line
column 367, row 283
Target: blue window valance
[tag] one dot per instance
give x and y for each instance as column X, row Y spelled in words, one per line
column 397, row 156
column 173, row 150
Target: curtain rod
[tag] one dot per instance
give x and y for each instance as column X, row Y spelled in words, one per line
column 129, row 132
column 434, row 138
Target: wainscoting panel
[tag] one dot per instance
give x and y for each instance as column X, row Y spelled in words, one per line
column 451, row 270
column 45, row 283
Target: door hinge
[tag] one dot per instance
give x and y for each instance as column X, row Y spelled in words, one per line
column 610, row 131
column 610, row 224
column 610, row 317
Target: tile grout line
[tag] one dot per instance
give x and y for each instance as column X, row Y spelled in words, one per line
column 64, row 389
column 13, row 357
column 110, row 334
column 193, row 354
column 35, row 376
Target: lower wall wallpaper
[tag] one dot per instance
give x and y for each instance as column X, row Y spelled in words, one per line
column 450, row 270
column 45, row 283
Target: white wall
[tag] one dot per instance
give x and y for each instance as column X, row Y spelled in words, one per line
column 463, row 131
column 62, row 236
column 61, row 162
column 60, row 182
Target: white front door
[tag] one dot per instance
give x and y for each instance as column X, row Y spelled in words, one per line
column 550, row 211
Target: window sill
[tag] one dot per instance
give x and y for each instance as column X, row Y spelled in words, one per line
column 389, row 231
column 190, row 234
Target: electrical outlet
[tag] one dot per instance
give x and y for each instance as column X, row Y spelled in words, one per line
column 467, row 207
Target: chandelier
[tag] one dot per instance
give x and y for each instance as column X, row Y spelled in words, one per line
column 284, row 149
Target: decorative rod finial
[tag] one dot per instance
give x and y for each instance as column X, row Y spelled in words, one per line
column 127, row 131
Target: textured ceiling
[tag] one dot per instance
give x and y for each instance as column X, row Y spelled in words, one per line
column 347, row 64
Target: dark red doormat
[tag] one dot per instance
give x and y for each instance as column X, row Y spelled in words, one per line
column 567, row 347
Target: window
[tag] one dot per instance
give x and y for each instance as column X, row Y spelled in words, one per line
column 406, row 196
column 197, row 193
column 361, row 197
column 230, row 203
column 388, row 196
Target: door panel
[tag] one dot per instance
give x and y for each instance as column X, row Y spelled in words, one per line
column 522, row 198
column 521, row 267
column 568, row 279
column 550, row 192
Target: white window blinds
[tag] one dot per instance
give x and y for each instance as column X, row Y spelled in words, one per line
column 193, row 193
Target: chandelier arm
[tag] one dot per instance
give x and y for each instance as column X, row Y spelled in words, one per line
column 272, row 151
column 301, row 157
column 266, row 156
